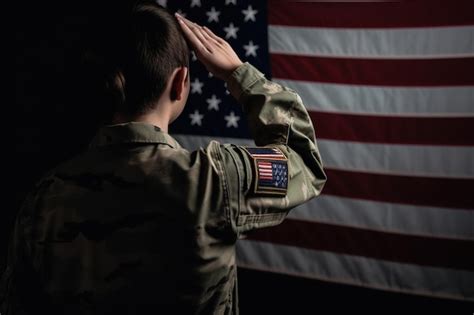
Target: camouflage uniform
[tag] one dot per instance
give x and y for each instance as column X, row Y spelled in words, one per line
column 137, row 224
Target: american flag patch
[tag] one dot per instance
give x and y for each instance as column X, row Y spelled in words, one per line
column 270, row 171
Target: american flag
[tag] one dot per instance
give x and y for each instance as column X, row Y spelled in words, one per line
column 390, row 89
column 272, row 175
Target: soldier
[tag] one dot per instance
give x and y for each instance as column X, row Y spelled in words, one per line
column 137, row 224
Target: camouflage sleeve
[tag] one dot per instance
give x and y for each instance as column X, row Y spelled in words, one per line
column 277, row 120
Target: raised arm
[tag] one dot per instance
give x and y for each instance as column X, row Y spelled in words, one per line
column 284, row 169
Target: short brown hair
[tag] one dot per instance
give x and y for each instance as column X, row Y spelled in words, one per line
column 136, row 51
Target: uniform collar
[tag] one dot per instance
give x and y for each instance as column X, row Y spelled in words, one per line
column 132, row 132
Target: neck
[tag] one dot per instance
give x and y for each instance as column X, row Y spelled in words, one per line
column 156, row 118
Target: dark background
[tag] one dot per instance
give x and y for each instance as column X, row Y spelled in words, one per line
column 54, row 119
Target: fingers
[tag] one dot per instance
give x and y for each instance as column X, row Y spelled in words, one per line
column 214, row 36
column 206, row 32
column 206, row 39
column 214, row 52
column 193, row 39
column 185, row 20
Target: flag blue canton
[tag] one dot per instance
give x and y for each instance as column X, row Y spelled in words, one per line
column 211, row 110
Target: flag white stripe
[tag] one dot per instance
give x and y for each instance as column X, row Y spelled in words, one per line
column 356, row 270
column 439, row 42
column 416, row 101
column 388, row 217
column 413, row 160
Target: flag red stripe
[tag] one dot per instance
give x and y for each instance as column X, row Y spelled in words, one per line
column 427, row 191
column 380, row 72
column 394, row 129
column 419, row 250
column 371, row 15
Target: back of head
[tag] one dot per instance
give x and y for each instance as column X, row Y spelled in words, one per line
column 132, row 51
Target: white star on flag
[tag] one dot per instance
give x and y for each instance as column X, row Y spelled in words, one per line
column 232, row 120
column 230, row 1
column 195, row 3
column 249, row 14
column 213, row 15
column 196, row 86
column 162, row 2
column 196, row 118
column 251, row 49
column 231, row 31
column 213, row 102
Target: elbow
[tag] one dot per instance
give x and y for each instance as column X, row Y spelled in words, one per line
column 319, row 176
column 319, row 182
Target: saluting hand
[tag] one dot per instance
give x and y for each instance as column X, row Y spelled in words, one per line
column 214, row 52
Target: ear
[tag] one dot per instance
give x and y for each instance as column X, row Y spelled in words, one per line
column 178, row 84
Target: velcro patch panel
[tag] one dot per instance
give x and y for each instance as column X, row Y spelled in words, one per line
column 270, row 167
